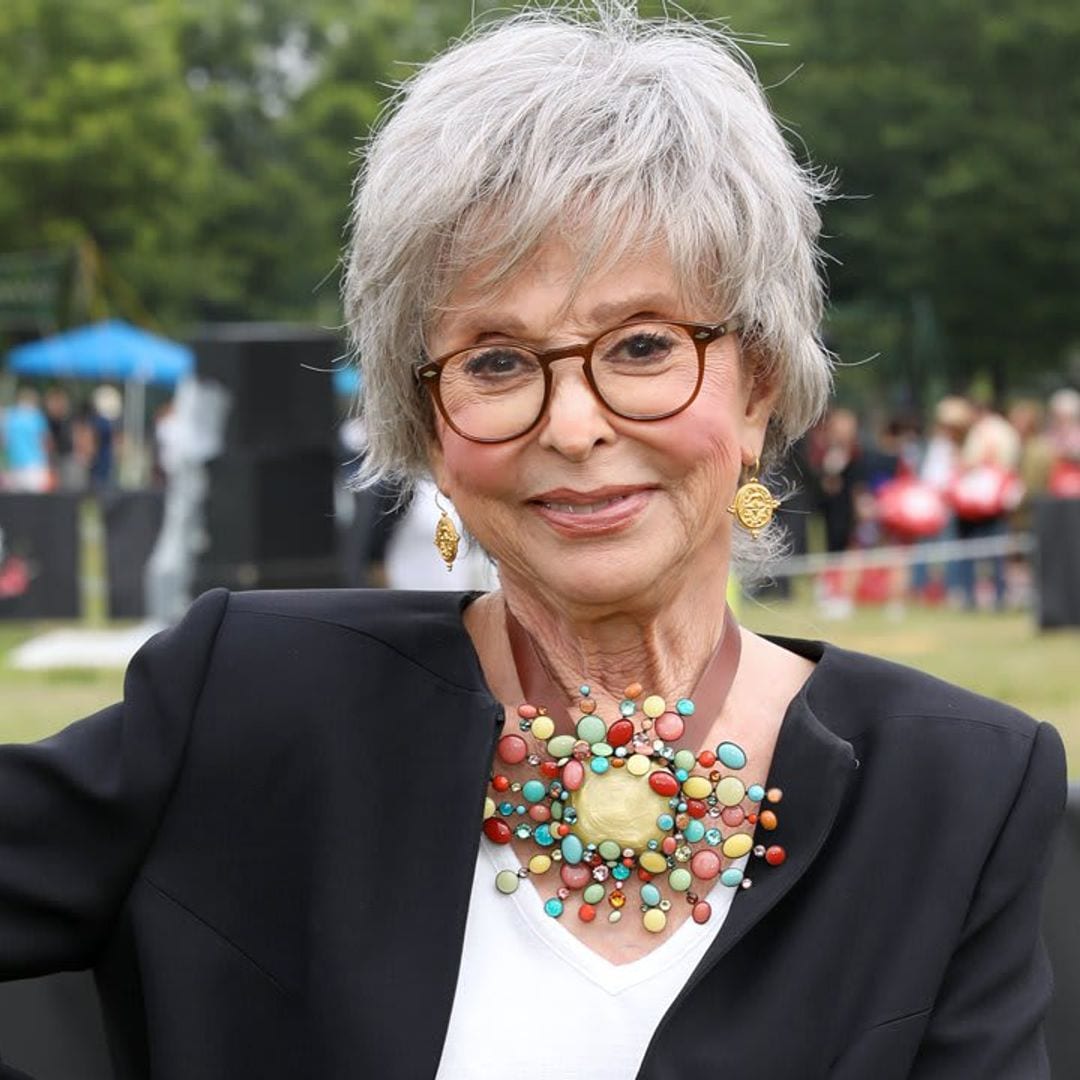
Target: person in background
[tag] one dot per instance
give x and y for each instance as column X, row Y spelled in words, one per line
column 838, row 469
column 991, row 452
column 107, row 406
column 65, row 465
column 26, row 444
column 1063, row 435
column 953, row 417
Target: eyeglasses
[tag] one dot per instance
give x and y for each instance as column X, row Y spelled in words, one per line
column 641, row 370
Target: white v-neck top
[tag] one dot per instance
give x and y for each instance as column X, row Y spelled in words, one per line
column 520, row 969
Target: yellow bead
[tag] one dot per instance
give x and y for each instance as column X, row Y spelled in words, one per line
column 655, row 920
column 637, row 764
column 543, row 727
column 653, row 706
column 737, row 845
column 697, row 787
column 489, row 808
column 539, row 864
column 653, row 862
column 730, row 791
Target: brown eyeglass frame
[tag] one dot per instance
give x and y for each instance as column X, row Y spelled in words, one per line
column 702, row 334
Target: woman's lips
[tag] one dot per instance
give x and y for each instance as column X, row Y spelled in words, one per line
column 592, row 514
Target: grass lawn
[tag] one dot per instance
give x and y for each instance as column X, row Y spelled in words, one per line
column 999, row 655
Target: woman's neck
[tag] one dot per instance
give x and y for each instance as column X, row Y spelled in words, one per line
column 664, row 646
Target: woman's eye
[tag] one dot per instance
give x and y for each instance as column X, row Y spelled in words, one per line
column 641, row 347
column 492, row 363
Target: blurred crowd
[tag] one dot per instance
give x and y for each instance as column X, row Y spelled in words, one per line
column 50, row 443
column 973, row 474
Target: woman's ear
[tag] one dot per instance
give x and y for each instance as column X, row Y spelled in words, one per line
column 761, row 388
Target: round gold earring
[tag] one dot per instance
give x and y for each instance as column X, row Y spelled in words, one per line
column 447, row 537
column 753, row 505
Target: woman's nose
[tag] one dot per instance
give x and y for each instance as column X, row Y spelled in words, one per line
column 576, row 419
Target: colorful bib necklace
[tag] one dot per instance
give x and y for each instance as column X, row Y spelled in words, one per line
column 618, row 801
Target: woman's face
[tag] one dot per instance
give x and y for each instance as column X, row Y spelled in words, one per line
column 588, row 509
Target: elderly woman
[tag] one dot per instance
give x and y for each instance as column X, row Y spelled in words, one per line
column 404, row 835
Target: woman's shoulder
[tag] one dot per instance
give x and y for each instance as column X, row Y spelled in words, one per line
column 417, row 629
column 912, row 719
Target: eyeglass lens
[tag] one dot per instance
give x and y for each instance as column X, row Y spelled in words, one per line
column 641, row 372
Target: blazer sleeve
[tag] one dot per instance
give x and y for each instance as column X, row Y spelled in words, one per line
column 78, row 811
column 987, row 1020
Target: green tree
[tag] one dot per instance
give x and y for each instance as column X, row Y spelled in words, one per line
column 99, row 140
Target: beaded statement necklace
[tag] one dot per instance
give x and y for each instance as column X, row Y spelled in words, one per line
column 624, row 800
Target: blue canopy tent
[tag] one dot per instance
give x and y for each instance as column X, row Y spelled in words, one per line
column 108, row 351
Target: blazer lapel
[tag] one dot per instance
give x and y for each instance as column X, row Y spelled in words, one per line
column 813, row 767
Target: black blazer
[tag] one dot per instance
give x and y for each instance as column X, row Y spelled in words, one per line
column 265, row 853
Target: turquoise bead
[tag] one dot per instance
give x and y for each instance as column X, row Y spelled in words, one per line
column 553, row 907
column 598, row 764
column 684, row 707
column 506, row 808
column 731, row 755
column 543, row 836
column 585, row 690
column 755, row 792
column 694, row 831
column 650, row 894
column 533, row 790
column 572, row 849
column 681, row 775
column 665, row 822
column 731, row 877
column 713, row 837
column 620, row 872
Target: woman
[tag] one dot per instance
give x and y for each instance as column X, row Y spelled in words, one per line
column 582, row 283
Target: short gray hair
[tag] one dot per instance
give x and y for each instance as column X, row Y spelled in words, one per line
column 609, row 131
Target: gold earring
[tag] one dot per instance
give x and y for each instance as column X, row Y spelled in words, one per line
column 446, row 537
column 754, row 504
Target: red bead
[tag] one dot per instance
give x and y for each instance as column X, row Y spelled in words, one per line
column 702, row 911
column 667, row 845
column 705, row 864
column 573, row 775
column 539, row 812
column 527, row 712
column 586, row 913
column 549, row 769
column 706, row 759
column 644, row 874
column 696, row 808
column 663, row 783
column 669, row 726
column 775, row 855
column 496, row 830
column 575, row 877
column 620, row 733
column 561, row 829
column 591, row 858
column 500, row 783
column 512, row 749
column 752, row 818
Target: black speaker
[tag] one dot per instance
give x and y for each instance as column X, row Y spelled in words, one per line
column 270, row 508
column 1057, row 562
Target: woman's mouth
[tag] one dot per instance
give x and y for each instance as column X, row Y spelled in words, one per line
column 592, row 513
